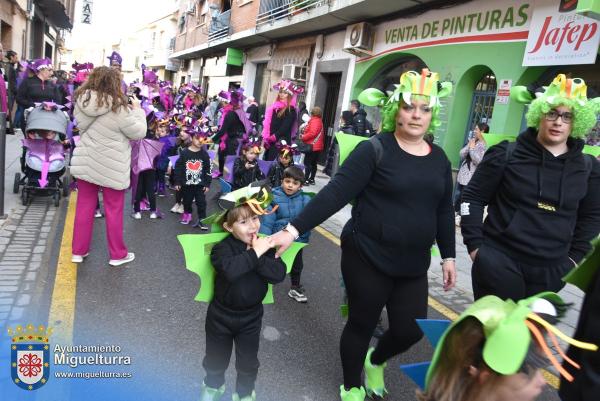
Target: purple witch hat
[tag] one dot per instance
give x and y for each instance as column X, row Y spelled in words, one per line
column 115, row 58
column 40, row 64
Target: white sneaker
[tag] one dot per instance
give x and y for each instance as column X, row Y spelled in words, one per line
column 137, row 215
column 153, row 215
column 78, row 258
column 98, row 214
column 118, row 262
column 175, row 208
column 180, row 209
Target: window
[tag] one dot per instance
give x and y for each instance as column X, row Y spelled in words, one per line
column 182, row 23
column 202, row 12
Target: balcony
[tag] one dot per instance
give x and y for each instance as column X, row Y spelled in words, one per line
column 219, row 27
column 274, row 10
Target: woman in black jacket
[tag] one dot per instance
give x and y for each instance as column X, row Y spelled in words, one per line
column 543, row 197
column 39, row 88
column 402, row 187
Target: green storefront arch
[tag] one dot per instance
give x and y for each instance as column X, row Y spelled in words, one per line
column 463, row 64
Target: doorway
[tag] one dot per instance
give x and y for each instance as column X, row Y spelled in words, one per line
column 482, row 104
column 332, row 92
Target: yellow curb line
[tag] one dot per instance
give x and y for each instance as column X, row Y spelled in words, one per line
column 551, row 378
column 62, row 306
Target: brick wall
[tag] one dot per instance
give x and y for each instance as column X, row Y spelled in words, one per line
column 243, row 14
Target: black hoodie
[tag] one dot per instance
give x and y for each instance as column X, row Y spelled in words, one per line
column 359, row 122
column 541, row 209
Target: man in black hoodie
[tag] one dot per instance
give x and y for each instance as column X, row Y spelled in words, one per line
column 543, row 198
column 362, row 127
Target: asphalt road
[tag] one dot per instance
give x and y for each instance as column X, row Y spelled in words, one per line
column 147, row 309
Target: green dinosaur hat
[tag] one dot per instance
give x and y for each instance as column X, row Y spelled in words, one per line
column 256, row 195
column 570, row 92
column 510, row 329
column 411, row 84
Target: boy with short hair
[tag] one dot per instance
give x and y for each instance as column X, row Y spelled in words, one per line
column 291, row 200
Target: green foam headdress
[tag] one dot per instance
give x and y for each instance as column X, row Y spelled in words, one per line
column 411, row 84
column 510, row 329
column 197, row 247
column 570, row 92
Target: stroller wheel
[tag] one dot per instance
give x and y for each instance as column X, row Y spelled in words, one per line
column 56, row 198
column 17, row 183
column 25, row 197
column 65, row 186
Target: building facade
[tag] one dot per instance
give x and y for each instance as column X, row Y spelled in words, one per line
column 337, row 48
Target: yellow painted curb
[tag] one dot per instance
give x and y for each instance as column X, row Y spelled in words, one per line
column 552, row 379
column 62, row 305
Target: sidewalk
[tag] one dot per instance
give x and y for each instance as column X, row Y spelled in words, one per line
column 462, row 296
column 12, row 166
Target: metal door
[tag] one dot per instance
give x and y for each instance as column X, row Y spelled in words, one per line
column 482, row 104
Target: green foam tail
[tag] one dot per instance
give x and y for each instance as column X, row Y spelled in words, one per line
column 347, row 143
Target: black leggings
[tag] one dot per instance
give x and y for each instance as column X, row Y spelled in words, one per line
column 310, row 165
column 191, row 193
column 369, row 290
column 145, row 187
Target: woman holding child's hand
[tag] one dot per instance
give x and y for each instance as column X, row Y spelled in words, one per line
column 402, row 187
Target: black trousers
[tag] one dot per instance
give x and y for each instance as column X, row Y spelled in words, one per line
column 297, row 267
column 369, row 290
column 458, row 196
column 191, row 192
column 145, row 188
column 495, row 273
column 310, row 165
column 224, row 327
column 230, row 149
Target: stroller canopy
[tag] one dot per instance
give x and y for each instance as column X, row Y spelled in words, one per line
column 40, row 118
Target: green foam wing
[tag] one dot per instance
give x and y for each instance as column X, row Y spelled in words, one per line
column 494, row 139
column 591, row 150
column 347, row 143
column 196, row 250
column 583, row 274
column 372, row 97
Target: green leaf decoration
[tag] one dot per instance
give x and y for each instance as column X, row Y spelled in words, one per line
column 583, row 274
column 347, row 143
column 372, row 97
column 494, row 139
column 520, row 94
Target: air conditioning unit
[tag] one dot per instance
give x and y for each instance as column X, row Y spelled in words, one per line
column 294, row 72
column 359, row 39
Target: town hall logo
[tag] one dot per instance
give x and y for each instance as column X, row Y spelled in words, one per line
column 30, row 356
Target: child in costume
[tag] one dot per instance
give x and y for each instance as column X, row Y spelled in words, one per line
column 285, row 159
column 193, row 177
column 494, row 351
column 245, row 264
column 245, row 168
column 162, row 162
column 290, row 200
column 183, row 141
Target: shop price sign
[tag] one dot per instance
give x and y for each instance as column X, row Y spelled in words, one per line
column 503, row 91
column 86, row 14
column 558, row 37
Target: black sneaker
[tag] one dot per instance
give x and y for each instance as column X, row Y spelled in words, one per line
column 379, row 330
column 297, row 293
column 201, row 226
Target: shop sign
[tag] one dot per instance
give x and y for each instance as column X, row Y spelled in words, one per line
column 481, row 21
column 560, row 36
column 503, row 91
column 86, row 15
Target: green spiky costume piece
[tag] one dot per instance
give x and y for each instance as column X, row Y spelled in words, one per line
column 570, row 92
column 583, row 274
column 211, row 394
column 354, row 394
column 509, row 329
column 374, row 380
column 197, row 247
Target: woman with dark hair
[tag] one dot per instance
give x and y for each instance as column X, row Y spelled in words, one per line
column 402, row 191
column 280, row 118
column 470, row 155
column 102, row 159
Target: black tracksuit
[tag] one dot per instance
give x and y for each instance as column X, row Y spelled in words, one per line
column 193, row 174
column 235, row 313
column 403, row 203
column 233, row 127
column 243, row 176
column 542, row 213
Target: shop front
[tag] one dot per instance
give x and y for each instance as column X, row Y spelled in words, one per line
column 483, row 48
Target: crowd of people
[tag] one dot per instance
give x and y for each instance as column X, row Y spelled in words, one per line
column 541, row 192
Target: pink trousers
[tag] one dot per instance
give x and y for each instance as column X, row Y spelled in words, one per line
column 87, row 199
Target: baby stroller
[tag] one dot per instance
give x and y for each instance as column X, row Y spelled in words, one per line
column 43, row 161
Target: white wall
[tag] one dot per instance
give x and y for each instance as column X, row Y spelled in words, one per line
column 253, row 56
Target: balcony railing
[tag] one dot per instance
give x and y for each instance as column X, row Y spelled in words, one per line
column 273, row 10
column 219, row 26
